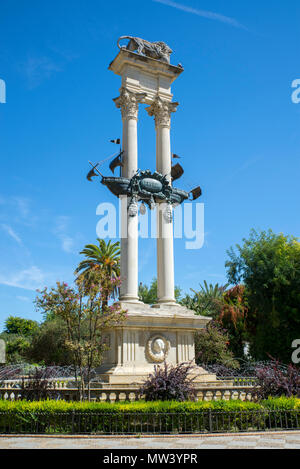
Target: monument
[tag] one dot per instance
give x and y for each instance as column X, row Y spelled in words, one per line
column 165, row 331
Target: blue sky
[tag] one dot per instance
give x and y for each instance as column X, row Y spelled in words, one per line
column 236, row 128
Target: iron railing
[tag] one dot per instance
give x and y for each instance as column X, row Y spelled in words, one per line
column 208, row 421
column 242, row 380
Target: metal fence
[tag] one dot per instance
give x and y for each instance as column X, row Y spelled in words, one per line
column 89, row 423
column 243, row 380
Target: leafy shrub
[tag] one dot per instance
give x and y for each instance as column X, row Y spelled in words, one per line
column 20, row 326
column 169, row 383
column 60, row 406
column 268, row 265
column 273, row 380
column 48, row 344
column 38, row 387
column 212, row 346
column 16, row 347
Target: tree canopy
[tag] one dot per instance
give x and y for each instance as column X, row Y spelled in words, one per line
column 148, row 295
column 268, row 265
column 20, row 326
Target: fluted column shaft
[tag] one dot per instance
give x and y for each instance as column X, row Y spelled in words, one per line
column 161, row 110
column 128, row 103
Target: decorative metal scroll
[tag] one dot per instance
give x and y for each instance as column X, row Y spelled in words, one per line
column 145, row 186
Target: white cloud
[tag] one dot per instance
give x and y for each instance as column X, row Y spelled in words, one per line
column 27, row 279
column 8, row 229
column 204, row 13
column 22, row 205
column 24, row 299
column 37, row 69
column 67, row 243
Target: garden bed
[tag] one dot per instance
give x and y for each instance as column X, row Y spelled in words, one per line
column 60, row 417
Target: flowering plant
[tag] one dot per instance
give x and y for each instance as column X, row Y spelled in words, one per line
column 87, row 314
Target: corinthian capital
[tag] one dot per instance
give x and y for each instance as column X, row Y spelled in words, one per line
column 128, row 102
column 161, row 110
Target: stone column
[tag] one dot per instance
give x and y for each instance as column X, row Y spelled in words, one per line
column 128, row 102
column 161, row 110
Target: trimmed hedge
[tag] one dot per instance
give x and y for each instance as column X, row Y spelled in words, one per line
column 127, row 407
column 63, row 417
column 279, row 403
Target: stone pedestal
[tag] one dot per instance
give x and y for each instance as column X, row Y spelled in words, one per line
column 150, row 336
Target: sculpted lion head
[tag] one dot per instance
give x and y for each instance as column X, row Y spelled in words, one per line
column 165, row 49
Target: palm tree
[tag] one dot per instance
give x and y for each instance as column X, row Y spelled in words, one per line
column 209, row 298
column 105, row 258
column 207, row 301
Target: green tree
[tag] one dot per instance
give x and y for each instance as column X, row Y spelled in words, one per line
column 17, row 334
column 16, row 347
column 48, row 345
column 148, row 295
column 269, row 266
column 212, row 346
column 233, row 318
column 20, row 326
column 86, row 315
column 104, row 257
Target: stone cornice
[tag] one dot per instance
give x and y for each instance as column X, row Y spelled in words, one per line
column 126, row 57
column 174, row 317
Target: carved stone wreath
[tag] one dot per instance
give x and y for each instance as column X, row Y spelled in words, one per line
column 157, row 348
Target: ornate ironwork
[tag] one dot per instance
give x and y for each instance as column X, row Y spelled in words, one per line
column 146, row 186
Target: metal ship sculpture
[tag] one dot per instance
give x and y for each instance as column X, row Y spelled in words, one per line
column 145, row 186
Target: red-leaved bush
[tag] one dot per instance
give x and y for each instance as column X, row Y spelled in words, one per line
column 276, row 381
column 39, row 386
column 169, row 383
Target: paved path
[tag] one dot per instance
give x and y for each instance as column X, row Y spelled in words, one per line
column 284, row 440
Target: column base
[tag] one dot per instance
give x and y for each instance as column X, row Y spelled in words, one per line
column 130, row 299
column 165, row 301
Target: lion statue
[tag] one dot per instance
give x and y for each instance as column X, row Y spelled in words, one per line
column 156, row 50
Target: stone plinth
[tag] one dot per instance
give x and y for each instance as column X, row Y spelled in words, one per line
column 150, row 336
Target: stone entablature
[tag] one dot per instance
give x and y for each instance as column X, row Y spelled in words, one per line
column 145, row 75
